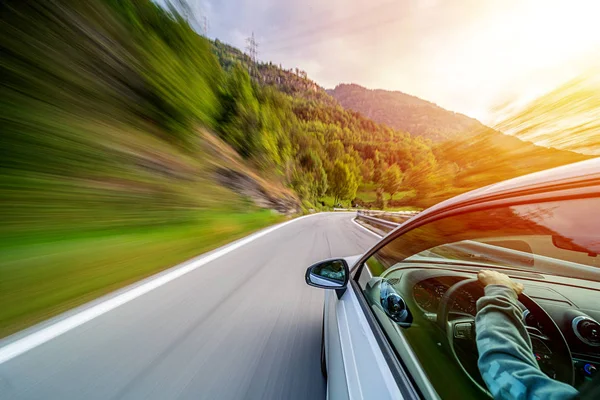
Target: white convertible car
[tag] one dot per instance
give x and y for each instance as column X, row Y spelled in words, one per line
column 399, row 320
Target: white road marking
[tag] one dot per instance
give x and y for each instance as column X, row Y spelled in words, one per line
column 366, row 229
column 42, row 336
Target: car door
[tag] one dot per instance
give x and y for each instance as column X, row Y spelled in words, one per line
column 385, row 320
column 360, row 362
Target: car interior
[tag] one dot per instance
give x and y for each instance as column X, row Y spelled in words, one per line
column 426, row 301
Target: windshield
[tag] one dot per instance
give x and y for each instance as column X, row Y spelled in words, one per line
column 558, row 238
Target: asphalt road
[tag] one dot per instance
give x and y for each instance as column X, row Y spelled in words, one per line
column 243, row 326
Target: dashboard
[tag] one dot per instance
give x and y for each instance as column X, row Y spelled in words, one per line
column 575, row 310
column 429, row 292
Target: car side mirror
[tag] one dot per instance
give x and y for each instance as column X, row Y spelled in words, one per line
column 328, row 274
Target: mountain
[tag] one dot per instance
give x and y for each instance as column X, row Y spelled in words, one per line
column 404, row 112
column 467, row 154
column 440, row 153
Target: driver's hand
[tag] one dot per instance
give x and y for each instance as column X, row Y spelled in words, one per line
column 496, row 278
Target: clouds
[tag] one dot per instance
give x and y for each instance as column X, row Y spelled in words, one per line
column 465, row 55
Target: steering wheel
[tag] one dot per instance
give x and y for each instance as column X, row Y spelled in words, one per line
column 551, row 348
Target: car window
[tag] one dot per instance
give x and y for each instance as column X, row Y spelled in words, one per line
column 554, row 244
column 417, row 344
column 558, row 238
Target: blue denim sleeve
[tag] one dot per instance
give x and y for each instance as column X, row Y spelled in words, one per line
column 506, row 359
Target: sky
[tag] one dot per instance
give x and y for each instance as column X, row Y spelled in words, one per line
column 469, row 56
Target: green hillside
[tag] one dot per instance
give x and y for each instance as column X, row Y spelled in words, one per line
column 130, row 143
column 466, row 153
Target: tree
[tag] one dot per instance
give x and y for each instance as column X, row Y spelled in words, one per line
column 314, row 177
column 239, row 124
column 392, row 180
column 379, row 202
column 335, row 150
column 353, row 166
column 379, row 171
column 342, row 182
column 366, row 169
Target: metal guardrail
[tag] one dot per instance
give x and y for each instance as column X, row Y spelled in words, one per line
column 388, row 221
column 372, row 213
column 380, row 223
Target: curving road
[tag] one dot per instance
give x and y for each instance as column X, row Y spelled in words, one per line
column 242, row 326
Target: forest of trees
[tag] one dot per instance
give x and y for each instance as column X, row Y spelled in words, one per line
column 328, row 140
column 333, row 150
column 92, row 89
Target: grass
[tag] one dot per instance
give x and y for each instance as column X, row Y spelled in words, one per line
column 367, row 193
column 329, row 202
column 41, row 280
column 404, row 208
column 372, row 196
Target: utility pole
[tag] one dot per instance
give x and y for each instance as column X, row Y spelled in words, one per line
column 204, row 26
column 252, row 48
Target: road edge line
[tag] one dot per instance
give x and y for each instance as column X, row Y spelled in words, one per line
column 45, row 334
column 365, row 228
